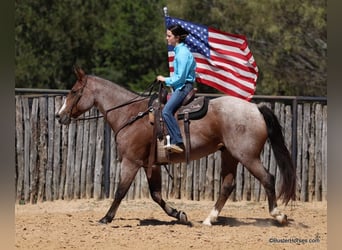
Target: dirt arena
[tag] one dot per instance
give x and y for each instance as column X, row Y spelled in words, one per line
column 141, row 224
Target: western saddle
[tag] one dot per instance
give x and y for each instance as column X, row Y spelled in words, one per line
column 193, row 108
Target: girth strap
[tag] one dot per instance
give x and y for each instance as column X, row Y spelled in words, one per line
column 157, row 134
column 187, row 137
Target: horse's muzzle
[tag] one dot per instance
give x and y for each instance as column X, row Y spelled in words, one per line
column 63, row 119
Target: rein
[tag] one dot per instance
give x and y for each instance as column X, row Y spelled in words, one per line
column 133, row 100
column 140, row 114
column 132, row 120
column 150, row 88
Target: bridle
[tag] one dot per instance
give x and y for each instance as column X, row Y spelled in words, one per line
column 78, row 93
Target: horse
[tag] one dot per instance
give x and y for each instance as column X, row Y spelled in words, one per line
column 238, row 128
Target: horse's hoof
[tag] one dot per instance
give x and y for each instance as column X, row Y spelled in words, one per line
column 282, row 219
column 206, row 222
column 212, row 217
column 105, row 220
column 182, row 217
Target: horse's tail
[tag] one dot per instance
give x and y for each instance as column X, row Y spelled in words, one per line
column 282, row 155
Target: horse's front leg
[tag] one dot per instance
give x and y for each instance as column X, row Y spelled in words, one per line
column 127, row 175
column 155, row 190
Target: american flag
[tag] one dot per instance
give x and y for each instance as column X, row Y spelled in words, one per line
column 224, row 60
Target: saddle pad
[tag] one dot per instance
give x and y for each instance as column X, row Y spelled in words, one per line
column 196, row 109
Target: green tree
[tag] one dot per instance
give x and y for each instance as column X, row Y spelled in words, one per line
column 124, row 41
column 50, row 37
column 132, row 46
column 118, row 40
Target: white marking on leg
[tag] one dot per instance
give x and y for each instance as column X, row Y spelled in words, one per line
column 212, row 217
column 275, row 212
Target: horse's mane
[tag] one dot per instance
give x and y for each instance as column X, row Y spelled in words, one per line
column 103, row 80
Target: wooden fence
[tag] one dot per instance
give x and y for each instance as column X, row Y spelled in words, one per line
column 79, row 161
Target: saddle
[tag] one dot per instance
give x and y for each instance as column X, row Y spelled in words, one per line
column 196, row 109
column 193, row 108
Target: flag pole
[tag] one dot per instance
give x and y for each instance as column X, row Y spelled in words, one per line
column 166, row 14
column 165, row 11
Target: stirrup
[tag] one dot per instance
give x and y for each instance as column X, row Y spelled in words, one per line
column 174, row 148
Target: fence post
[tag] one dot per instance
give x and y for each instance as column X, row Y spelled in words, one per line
column 294, row 131
column 35, row 126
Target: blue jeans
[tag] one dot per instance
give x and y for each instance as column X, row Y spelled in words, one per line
column 170, row 108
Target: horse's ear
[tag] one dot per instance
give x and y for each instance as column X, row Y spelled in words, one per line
column 79, row 72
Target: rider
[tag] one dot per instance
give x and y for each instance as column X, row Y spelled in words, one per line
column 181, row 82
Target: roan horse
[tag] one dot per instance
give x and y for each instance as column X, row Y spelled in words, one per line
column 238, row 128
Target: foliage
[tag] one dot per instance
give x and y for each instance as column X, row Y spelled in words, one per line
column 288, row 39
column 124, row 41
column 117, row 40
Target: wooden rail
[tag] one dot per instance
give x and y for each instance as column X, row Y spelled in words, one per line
column 79, row 161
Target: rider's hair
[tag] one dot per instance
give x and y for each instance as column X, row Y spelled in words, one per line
column 177, row 30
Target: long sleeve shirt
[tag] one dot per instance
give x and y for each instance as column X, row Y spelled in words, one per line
column 184, row 68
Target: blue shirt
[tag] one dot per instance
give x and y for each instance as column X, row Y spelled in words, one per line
column 184, row 66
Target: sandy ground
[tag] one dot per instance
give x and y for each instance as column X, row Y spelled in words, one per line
column 141, row 224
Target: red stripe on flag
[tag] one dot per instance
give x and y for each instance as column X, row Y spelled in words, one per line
column 223, row 89
column 234, row 65
column 228, row 81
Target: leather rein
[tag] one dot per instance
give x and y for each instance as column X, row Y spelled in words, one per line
column 140, row 114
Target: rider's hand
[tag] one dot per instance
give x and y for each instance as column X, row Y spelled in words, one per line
column 161, row 78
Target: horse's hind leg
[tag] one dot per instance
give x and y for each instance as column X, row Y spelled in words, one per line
column 155, row 190
column 127, row 175
column 228, row 173
column 267, row 180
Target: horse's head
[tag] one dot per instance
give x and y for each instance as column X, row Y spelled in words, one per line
column 78, row 100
